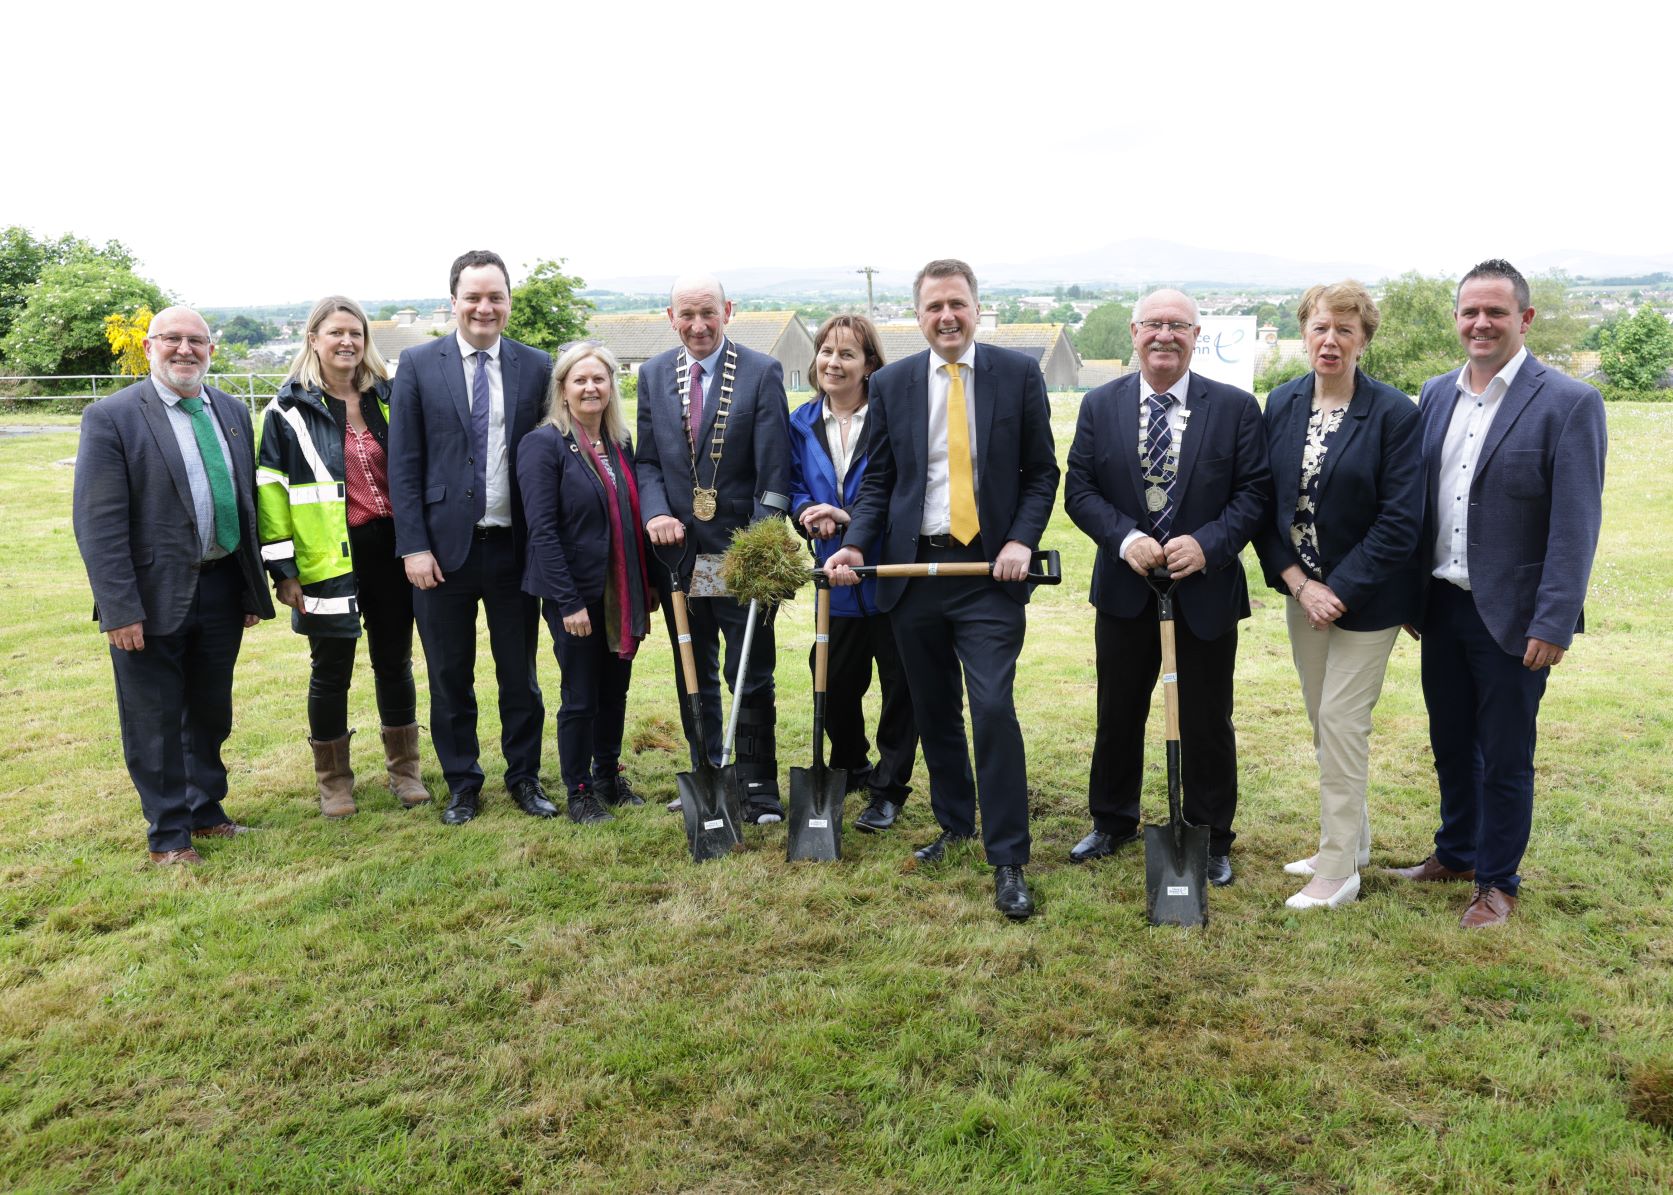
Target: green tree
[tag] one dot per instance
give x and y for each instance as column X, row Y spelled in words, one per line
column 545, row 310
column 1417, row 338
column 1105, row 334
column 1063, row 313
column 1593, row 338
column 1557, row 329
column 387, row 311
column 61, row 328
column 23, row 257
column 1637, row 352
column 241, row 329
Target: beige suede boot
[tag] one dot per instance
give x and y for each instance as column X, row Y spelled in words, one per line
column 400, row 753
column 336, row 778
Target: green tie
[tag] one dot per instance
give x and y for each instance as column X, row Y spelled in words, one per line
column 220, row 481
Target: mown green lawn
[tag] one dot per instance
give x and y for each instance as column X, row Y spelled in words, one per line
column 388, row 1004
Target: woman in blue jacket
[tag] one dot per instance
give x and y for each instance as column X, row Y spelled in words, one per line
column 586, row 559
column 1347, row 472
column 827, row 462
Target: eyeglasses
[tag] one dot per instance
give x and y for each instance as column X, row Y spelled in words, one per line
column 1177, row 327
column 174, row 341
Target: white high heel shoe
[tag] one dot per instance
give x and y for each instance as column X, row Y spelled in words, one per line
column 1304, row 867
column 1347, row 893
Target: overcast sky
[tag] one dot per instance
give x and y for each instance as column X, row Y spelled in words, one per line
column 273, row 153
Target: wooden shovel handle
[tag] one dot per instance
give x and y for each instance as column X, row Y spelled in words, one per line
column 682, row 631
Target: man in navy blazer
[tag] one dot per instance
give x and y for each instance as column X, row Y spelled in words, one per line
column 1198, row 448
column 1513, row 457
column 460, row 407
column 940, row 488
column 165, row 519
column 695, row 489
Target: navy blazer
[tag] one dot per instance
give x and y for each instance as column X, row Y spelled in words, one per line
column 430, row 469
column 1370, row 496
column 1536, row 503
column 567, row 510
column 1221, row 497
column 1016, row 461
column 754, row 459
column 134, row 520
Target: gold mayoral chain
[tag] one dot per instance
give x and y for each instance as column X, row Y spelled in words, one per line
column 1156, row 484
column 704, row 500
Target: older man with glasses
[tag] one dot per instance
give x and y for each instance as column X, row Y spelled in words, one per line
column 165, row 518
column 1167, row 470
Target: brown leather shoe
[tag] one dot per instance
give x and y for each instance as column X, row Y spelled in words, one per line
column 224, row 830
column 185, row 855
column 1430, row 871
column 1489, row 906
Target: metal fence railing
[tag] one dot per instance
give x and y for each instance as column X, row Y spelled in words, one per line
column 254, row 388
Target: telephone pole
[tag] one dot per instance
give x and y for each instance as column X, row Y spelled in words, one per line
column 871, row 305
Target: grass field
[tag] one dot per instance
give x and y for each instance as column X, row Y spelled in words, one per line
column 388, row 1004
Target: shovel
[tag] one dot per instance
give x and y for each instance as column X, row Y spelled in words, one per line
column 708, row 799
column 1175, row 855
column 816, row 793
column 1044, row 569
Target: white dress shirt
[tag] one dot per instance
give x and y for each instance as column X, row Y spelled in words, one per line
column 1472, row 415
column 842, row 455
column 498, row 468
column 938, row 517
column 1176, row 427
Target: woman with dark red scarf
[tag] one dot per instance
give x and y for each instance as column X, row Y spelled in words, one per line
column 586, row 559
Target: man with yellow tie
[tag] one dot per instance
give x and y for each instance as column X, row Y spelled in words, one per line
column 962, row 469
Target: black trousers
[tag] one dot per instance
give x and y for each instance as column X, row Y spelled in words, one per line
column 857, row 644
column 492, row 577
column 756, row 749
column 592, row 699
column 385, row 598
column 174, row 701
column 961, row 636
column 1129, row 661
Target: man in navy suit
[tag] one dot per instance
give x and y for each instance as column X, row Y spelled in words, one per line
column 962, row 469
column 165, row 519
column 461, row 406
column 1513, row 458
column 1167, row 469
column 714, row 456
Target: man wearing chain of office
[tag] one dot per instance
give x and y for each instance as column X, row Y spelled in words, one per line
column 714, row 455
column 1168, row 469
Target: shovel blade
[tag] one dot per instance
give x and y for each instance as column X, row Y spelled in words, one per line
column 711, row 814
column 816, row 797
column 1176, row 875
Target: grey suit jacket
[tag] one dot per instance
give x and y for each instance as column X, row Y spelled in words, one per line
column 134, row 521
column 1536, row 503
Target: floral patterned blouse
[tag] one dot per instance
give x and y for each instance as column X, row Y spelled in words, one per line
column 1321, row 430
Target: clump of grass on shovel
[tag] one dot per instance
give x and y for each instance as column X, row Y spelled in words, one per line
column 766, row 563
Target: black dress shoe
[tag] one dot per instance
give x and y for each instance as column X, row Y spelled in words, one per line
column 614, row 788
column 532, row 799
column 878, row 816
column 1010, row 893
column 1098, row 844
column 461, row 807
column 1219, row 870
column 937, row 850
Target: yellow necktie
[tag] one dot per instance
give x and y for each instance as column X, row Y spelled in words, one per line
column 961, row 487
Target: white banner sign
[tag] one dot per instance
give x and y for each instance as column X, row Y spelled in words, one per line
column 1226, row 350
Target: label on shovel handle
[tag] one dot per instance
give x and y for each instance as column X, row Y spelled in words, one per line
column 1179, row 889
column 714, row 824
column 818, row 823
